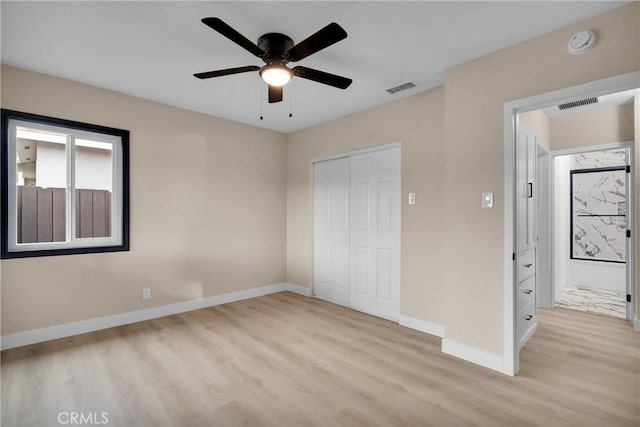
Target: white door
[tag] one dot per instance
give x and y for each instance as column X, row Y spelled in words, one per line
column 331, row 230
column 526, row 170
column 375, row 232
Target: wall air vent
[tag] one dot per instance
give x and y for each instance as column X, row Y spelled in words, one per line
column 579, row 103
column 400, row 88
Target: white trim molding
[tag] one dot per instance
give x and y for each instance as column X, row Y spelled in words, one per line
column 636, row 324
column 421, row 325
column 34, row 336
column 302, row 290
column 358, row 151
column 475, row 355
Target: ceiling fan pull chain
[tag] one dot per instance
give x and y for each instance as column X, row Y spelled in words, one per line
column 261, row 117
column 291, row 101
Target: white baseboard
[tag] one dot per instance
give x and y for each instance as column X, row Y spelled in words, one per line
column 75, row 328
column 474, row 355
column 422, row 325
column 298, row 289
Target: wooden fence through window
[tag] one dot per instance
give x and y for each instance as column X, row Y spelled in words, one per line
column 41, row 214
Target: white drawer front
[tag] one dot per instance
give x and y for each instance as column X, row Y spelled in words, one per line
column 526, row 322
column 526, row 264
column 526, row 292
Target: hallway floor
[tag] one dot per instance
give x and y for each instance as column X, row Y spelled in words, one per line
column 599, row 301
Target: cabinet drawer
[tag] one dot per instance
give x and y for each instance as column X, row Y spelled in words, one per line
column 526, row 264
column 526, row 292
column 527, row 321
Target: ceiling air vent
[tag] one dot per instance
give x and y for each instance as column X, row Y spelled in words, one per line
column 403, row 86
column 580, row 103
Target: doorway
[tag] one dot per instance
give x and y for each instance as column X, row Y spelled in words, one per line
column 356, row 257
column 513, row 263
column 591, row 196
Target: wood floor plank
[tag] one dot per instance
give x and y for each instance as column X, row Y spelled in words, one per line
column 288, row 360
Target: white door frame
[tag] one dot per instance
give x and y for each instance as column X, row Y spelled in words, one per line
column 349, row 154
column 544, row 226
column 358, row 151
column 511, row 109
column 579, row 150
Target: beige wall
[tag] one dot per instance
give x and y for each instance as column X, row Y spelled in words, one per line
column 538, row 123
column 416, row 122
column 597, row 127
column 208, row 210
column 476, row 91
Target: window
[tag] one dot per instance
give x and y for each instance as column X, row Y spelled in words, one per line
column 65, row 187
column 598, row 214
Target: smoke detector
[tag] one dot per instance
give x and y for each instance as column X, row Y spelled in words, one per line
column 581, row 42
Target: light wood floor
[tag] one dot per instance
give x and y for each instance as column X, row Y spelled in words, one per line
column 288, row 360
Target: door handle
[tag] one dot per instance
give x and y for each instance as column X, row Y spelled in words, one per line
column 529, row 190
column 528, row 265
column 528, row 317
column 527, row 291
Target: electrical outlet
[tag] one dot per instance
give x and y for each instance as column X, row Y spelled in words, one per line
column 146, row 293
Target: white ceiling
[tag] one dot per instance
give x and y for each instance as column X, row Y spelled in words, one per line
column 151, row 49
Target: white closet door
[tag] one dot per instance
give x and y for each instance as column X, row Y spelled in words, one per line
column 375, row 232
column 331, row 230
column 526, row 170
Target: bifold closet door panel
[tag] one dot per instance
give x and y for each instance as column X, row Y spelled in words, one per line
column 331, row 230
column 375, row 232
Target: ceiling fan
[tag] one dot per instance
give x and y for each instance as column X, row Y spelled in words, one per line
column 277, row 50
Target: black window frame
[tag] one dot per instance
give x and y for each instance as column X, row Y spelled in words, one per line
column 5, row 116
column 571, row 234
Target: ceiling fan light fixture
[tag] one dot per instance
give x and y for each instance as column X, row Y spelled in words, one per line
column 276, row 74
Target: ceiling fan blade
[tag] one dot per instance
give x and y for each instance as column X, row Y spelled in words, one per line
column 220, row 26
column 275, row 93
column 327, row 36
column 322, row 77
column 226, row 72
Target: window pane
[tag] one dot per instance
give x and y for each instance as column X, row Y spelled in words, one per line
column 41, row 170
column 94, row 188
column 599, row 215
column 600, row 238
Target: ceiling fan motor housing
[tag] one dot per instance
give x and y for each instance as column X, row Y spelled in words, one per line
column 275, row 45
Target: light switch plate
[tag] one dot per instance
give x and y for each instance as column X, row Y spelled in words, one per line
column 487, row 200
column 412, row 198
